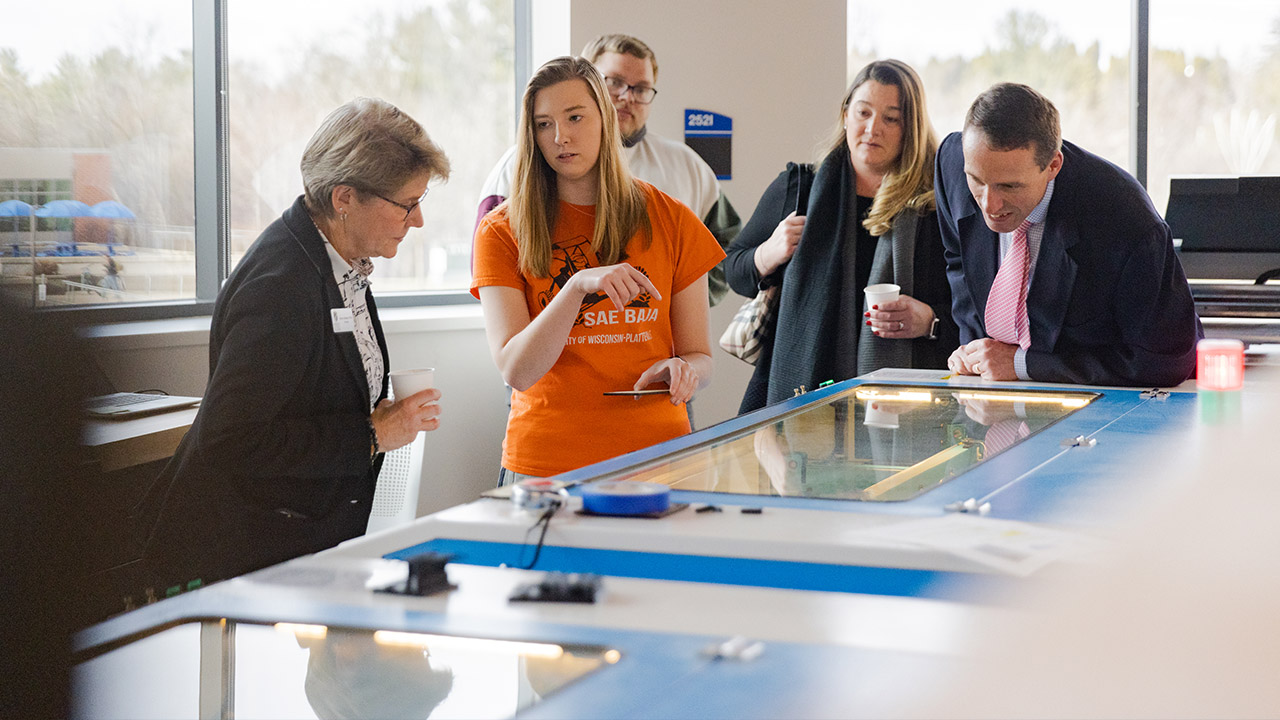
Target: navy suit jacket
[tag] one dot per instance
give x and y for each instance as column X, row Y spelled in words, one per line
column 1108, row 302
column 276, row 464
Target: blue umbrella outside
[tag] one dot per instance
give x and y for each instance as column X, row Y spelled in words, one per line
column 14, row 208
column 112, row 209
column 115, row 211
column 64, row 209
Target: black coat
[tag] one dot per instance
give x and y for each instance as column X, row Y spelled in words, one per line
column 276, row 464
column 817, row 303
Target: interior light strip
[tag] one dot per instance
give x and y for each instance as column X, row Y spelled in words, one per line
column 299, row 630
column 1042, row 399
column 904, row 396
column 541, row 650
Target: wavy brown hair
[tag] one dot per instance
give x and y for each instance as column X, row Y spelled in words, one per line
column 621, row 210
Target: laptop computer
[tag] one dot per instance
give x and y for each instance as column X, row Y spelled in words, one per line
column 106, row 404
column 126, row 405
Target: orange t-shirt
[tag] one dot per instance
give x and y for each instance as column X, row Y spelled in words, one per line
column 563, row 421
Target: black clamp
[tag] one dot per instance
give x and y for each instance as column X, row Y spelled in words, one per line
column 559, row 587
column 426, row 576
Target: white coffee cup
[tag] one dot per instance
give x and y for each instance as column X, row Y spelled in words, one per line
column 881, row 293
column 408, row 382
column 878, row 418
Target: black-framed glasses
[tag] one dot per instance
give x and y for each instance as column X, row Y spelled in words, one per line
column 408, row 209
column 642, row 94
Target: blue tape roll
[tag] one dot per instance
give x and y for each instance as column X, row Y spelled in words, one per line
column 625, row 497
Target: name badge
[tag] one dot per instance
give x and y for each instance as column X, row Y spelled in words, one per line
column 343, row 320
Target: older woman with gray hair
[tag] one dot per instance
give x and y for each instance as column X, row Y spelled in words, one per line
column 283, row 456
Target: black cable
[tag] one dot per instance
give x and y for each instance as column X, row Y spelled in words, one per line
column 545, row 522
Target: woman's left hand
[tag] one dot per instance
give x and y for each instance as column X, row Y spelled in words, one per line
column 900, row 319
column 679, row 375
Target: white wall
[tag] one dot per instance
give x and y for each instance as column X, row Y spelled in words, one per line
column 776, row 68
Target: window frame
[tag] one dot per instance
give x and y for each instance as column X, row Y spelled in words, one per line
column 212, row 226
column 212, row 176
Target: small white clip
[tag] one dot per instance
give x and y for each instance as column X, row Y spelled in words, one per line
column 737, row 647
column 970, row 506
column 1079, row 441
column 1154, row 394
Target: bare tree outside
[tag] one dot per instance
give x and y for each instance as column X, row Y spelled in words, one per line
column 102, row 112
column 114, row 122
column 1212, row 96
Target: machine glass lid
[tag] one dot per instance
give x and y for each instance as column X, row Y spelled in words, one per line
column 874, row 443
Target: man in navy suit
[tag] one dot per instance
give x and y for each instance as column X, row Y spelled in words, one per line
column 1103, row 299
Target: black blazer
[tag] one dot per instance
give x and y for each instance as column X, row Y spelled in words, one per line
column 1108, row 303
column 276, row 464
column 928, row 276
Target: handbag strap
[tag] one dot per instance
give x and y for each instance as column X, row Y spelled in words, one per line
column 799, row 182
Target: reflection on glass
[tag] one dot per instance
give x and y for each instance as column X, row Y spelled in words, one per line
column 349, row 675
column 872, row 443
column 314, row 671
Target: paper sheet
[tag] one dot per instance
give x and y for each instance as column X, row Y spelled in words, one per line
column 1006, row 546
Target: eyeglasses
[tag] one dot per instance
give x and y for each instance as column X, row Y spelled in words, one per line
column 642, row 94
column 408, row 209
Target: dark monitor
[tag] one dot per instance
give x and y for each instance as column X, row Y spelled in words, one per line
column 1225, row 214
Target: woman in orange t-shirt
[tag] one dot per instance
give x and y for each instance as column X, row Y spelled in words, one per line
column 591, row 281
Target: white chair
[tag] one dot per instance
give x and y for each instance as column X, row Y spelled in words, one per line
column 395, row 501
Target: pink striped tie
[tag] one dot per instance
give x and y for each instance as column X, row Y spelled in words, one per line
column 1004, row 433
column 1007, row 304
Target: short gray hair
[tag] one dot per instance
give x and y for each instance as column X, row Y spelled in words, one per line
column 370, row 145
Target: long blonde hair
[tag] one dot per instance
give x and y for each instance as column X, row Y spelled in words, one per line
column 909, row 184
column 621, row 209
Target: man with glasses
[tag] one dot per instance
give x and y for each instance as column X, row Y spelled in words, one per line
column 630, row 71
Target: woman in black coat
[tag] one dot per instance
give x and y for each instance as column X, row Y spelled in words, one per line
column 283, row 456
column 867, row 218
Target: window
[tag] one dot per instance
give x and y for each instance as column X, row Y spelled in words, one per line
column 100, row 135
column 1213, row 92
column 96, row 145
column 1212, row 101
column 1077, row 54
column 450, row 65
